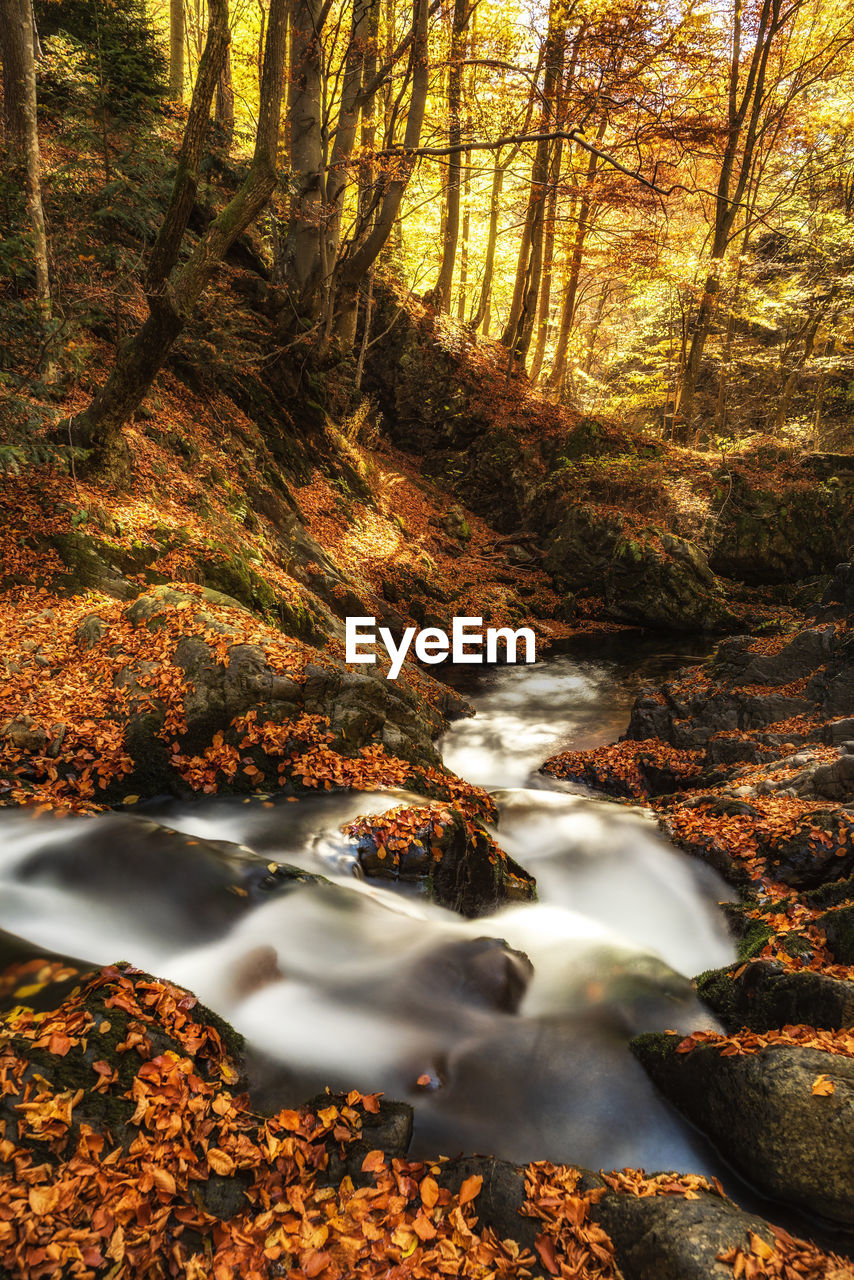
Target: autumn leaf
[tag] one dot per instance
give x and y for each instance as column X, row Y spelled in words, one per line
column 43, row 1200
column 544, row 1246
column 373, row 1161
column 429, row 1192
column 470, row 1188
column 220, row 1161
column 822, row 1086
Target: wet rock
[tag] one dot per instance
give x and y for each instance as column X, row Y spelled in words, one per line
column 668, row 1237
column 456, row 864
column 760, row 1112
column 765, row 995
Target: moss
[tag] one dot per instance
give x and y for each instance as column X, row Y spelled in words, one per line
column 717, row 988
column 654, row 1045
column 831, row 895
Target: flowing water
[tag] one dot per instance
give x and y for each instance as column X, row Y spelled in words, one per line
column 509, row 1034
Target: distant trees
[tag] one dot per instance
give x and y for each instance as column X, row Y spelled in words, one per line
column 597, row 184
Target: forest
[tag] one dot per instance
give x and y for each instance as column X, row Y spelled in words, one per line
column 399, row 323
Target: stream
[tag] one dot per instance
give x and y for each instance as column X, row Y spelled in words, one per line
column 509, row 1033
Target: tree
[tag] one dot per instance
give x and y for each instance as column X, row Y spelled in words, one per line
column 176, row 49
column 19, row 82
column 451, row 230
column 172, row 292
column 786, row 54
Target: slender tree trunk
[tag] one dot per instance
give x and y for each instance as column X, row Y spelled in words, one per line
column 462, row 295
column 745, row 104
column 520, row 322
column 451, row 219
column 548, row 261
column 176, row 49
column 807, row 338
column 557, row 375
column 361, row 53
column 595, row 327
column 726, row 356
column 172, row 294
column 353, row 268
column 224, row 105
column 482, row 315
column 303, row 254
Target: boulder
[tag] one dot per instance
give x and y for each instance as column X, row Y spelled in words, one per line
column 838, row 926
column 454, row 861
column 764, row 995
column 759, row 1110
column 817, row 850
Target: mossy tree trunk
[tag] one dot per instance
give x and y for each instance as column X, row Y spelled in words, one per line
column 171, row 293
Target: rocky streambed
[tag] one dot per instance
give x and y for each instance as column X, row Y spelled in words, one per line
column 142, row 1135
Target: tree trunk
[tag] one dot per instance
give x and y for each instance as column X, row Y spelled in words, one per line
column 520, row 322
column 19, row 75
column 176, row 49
column 462, row 296
column 354, row 267
column 451, row 219
column 548, row 260
column 303, row 251
column 482, row 315
column 557, row 375
column 14, row 77
column 361, row 55
column 745, row 105
column 224, row 106
column 171, row 298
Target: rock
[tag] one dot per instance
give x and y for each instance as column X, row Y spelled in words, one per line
column 665, row 1237
column 765, row 995
column 652, row 578
column 389, row 1130
column 25, row 734
column 56, row 739
column 803, row 859
column 672, row 1238
column 459, row 868
column 788, row 531
column 760, row 1112
column 838, row 926
column 456, row 525
column 90, row 631
column 835, row 781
